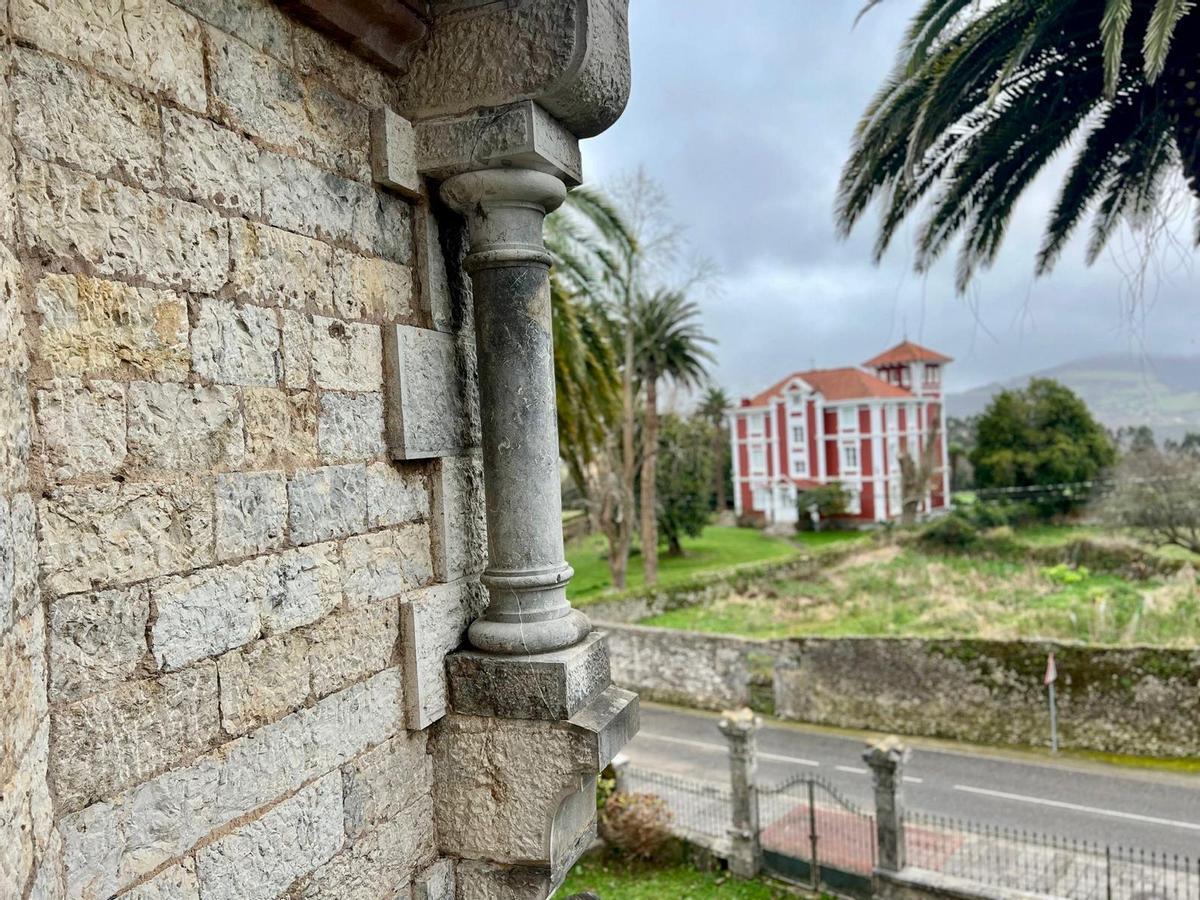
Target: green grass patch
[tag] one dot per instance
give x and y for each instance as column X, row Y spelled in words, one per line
column 908, row 591
column 616, row 879
column 717, row 548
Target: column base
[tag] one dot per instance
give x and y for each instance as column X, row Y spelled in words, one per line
column 549, row 686
column 522, row 638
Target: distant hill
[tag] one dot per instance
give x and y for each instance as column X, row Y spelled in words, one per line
column 1160, row 391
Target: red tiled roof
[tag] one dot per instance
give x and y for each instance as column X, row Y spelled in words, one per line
column 834, row 384
column 907, row 351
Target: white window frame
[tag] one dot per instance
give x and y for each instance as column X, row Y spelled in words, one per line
column 761, row 453
column 853, row 499
column 754, row 425
column 850, row 447
column 802, row 440
column 760, row 497
column 848, row 414
column 800, row 464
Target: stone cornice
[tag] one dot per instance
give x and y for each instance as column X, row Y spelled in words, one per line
column 384, row 31
column 570, row 56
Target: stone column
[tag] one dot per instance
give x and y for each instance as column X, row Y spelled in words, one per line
column 527, row 573
column 886, row 760
column 741, row 731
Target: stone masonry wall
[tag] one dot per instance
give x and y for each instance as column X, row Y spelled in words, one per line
column 204, row 549
column 1134, row 700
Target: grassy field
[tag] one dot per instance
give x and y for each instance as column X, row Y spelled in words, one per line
column 716, row 548
column 614, row 880
column 905, row 591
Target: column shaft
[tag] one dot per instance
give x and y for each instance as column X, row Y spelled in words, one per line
column 527, row 573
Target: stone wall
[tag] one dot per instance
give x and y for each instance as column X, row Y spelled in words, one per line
column 201, row 647
column 1135, row 700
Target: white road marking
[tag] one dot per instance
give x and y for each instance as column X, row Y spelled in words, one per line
column 851, row 769
column 721, row 748
column 914, row 780
column 1076, row 807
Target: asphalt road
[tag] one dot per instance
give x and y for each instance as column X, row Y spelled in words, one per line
column 1137, row 808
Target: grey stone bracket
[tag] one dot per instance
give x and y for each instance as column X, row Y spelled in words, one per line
column 515, row 799
column 428, row 410
column 550, row 686
column 522, row 135
column 394, row 152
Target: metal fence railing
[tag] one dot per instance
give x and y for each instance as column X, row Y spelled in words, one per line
column 701, row 810
column 808, row 819
column 1053, row 865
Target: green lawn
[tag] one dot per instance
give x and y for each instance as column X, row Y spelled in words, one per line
column 616, row 880
column 716, row 548
column 906, row 591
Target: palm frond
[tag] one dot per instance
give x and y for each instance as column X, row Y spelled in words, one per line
column 1112, row 33
column 1157, row 42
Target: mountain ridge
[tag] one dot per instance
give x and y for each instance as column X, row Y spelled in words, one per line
column 1157, row 390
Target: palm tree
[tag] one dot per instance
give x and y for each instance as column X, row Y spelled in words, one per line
column 713, row 407
column 669, row 343
column 983, row 95
column 587, row 378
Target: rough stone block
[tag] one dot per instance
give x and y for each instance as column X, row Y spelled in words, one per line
column 301, row 197
column 210, row 163
column 260, row 24
column 111, row 845
column 522, row 134
column 367, row 287
column 25, row 814
column 498, row 784
column 352, row 644
column 114, row 533
column 347, row 356
column 236, row 344
column 261, row 859
column 478, row 880
column 435, row 288
column 426, row 394
column 303, row 585
column 207, row 613
column 7, row 567
column 386, row 563
column 108, row 742
column 184, row 428
column 23, row 674
column 327, row 502
column 122, row 231
column 351, row 426
column 394, row 152
column 97, row 640
column 263, row 682
column 459, row 519
column 24, row 536
column 382, row 783
column 297, row 348
column 256, row 93
column 251, row 513
column 396, row 494
column 279, row 268
column 281, row 427
column 157, row 50
column 49, row 883
column 436, row 882
column 433, row 622
column 379, row 864
column 90, row 325
column 65, row 113
column 319, row 55
column 177, row 882
column 551, row 686
column 82, row 427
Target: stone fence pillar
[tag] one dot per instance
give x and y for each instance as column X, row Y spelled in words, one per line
column 741, row 730
column 886, row 760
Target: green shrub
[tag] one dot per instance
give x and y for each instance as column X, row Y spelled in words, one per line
column 829, row 499
column 1064, row 574
column 952, row 532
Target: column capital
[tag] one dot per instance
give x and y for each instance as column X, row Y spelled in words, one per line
column 887, row 756
column 739, row 724
column 473, row 192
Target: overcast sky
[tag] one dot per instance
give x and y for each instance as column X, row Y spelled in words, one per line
column 743, row 113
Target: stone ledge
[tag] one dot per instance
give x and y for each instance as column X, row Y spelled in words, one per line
column 548, row 686
column 911, row 883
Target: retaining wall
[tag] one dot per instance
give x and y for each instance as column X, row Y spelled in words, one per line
column 1134, row 700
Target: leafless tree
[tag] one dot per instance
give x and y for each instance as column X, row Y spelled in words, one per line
column 1159, row 494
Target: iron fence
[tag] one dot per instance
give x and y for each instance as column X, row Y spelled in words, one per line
column 808, row 818
column 701, row 810
column 1053, row 865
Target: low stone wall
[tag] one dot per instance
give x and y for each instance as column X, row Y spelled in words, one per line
column 683, row 667
column 1134, row 700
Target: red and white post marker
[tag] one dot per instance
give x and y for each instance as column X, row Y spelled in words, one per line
column 1051, row 677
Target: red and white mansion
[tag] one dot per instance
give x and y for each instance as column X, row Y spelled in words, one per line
column 850, row 425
